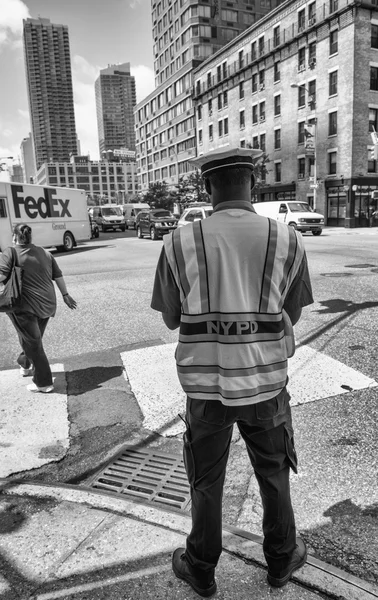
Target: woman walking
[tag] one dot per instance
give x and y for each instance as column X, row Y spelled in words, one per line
column 40, row 270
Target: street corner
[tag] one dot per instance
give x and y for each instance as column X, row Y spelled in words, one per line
column 151, row 373
column 34, row 427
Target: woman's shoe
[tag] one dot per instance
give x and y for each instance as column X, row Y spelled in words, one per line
column 44, row 390
column 26, row 372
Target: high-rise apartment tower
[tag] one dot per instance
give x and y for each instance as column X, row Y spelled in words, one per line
column 115, row 102
column 49, row 80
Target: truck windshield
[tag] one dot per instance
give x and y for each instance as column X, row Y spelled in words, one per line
column 162, row 213
column 299, row 207
column 113, row 210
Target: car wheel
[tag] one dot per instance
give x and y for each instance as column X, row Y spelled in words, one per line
column 126, row 226
column 68, row 242
column 293, row 225
column 103, row 228
column 139, row 233
column 97, row 233
column 154, row 235
column 122, row 228
column 317, row 232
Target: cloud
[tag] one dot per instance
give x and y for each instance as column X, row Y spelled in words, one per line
column 144, row 81
column 134, row 3
column 12, row 12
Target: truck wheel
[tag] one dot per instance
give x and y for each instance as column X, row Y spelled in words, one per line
column 123, row 228
column 293, row 225
column 68, row 242
column 97, row 233
column 154, row 235
column 126, row 226
column 139, row 233
column 317, row 232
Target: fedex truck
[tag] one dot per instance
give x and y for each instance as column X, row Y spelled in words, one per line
column 58, row 216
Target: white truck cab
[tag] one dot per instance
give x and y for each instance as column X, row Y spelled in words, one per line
column 58, row 217
column 108, row 216
column 296, row 213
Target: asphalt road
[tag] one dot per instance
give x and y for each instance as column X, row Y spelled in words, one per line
column 335, row 494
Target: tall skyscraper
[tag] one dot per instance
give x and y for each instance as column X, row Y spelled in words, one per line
column 49, row 80
column 115, row 102
column 27, row 159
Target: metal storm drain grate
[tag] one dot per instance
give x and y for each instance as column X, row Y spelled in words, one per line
column 336, row 274
column 148, row 475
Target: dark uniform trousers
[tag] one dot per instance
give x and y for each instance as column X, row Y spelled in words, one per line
column 30, row 330
column 266, row 428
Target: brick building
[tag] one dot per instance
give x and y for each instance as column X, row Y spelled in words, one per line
column 308, row 68
column 185, row 33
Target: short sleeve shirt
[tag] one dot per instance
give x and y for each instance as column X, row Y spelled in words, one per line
column 39, row 271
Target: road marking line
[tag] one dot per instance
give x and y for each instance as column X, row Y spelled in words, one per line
column 152, row 375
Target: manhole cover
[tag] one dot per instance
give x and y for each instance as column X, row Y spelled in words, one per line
column 336, row 274
column 363, row 266
column 148, row 475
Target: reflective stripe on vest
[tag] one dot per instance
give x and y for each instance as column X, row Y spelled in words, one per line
column 233, row 271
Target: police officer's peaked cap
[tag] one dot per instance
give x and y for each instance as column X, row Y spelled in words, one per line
column 224, row 158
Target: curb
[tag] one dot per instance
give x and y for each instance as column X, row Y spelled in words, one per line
column 315, row 575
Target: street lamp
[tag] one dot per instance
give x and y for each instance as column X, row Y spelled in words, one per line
column 310, row 139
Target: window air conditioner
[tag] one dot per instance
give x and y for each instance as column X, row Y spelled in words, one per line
column 301, row 67
column 301, row 176
column 301, row 29
column 311, row 99
column 262, row 119
column 312, row 63
column 262, row 87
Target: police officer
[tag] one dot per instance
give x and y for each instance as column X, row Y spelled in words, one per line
column 235, row 283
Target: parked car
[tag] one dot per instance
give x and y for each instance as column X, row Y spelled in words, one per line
column 195, row 213
column 108, row 216
column 155, row 222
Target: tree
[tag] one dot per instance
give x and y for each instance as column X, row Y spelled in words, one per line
column 159, row 196
column 260, row 171
column 191, row 188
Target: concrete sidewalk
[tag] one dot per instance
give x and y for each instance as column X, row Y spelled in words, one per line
column 74, row 543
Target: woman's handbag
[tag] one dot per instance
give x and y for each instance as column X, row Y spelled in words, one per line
column 10, row 295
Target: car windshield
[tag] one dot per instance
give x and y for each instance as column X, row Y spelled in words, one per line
column 299, row 207
column 208, row 211
column 112, row 210
column 162, row 213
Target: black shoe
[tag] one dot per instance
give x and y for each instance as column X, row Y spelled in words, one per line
column 297, row 561
column 204, row 585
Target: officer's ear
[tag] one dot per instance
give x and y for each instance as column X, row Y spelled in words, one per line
column 207, row 185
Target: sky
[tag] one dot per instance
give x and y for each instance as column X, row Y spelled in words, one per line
column 101, row 32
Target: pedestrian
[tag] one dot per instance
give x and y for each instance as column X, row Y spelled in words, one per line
column 234, row 283
column 38, row 304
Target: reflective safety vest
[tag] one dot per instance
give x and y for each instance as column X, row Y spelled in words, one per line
column 233, row 271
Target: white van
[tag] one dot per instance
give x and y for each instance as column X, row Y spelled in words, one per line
column 296, row 213
column 58, row 216
column 108, row 216
column 130, row 212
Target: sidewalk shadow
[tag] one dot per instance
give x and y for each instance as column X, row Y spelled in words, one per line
column 91, row 378
column 351, row 539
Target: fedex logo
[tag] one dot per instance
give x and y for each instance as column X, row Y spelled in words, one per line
column 44, row 206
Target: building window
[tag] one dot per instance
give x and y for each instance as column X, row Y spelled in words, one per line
column 301, row 96
column 301, row 59
column 242, row 119
column 276, row 36
column 253, row 51
column 255, row 142
column 225, row 99
column 209, row 79
column 254, row 83
column 210, row 107
column 333, row 83
column 277, row 172
column 220, row 128
column 301, row 20
column 373, row 119
column 312, row 93
column 225, row 126
column 332, row 163
column 200, row 136
column 332, row 123
column 219, row 73
column 312, row 55
column 374, row 36
column 199, row 113
column 242, row 143
column 312, row 13
column 254, row 114
column 277, row 105
column 241, row 90
column 261, row 46
column 262, row 79
column 210, row 133
column 301, row 168
column 224, row 69
column 262, row 112
column 333, row 5
column 262, row 142
column 374, row 78
column 277, row 74
column 241, row 59
column 277, row 139
column 333, row 40
column 220, row 101
column 301, row 132
column 372, row 164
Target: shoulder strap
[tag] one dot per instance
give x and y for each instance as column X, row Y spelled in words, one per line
column 15, row 257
